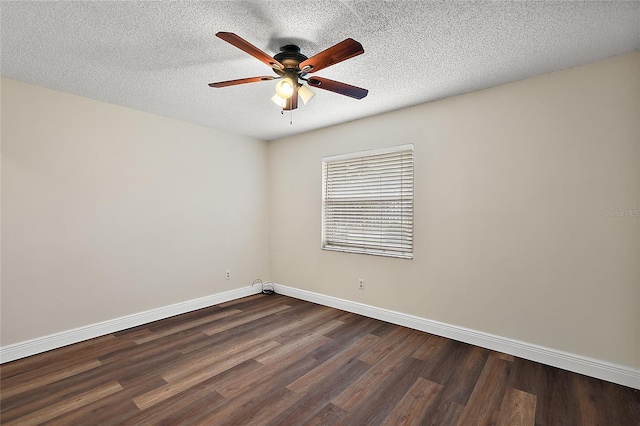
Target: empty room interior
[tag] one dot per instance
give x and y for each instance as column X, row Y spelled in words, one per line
column 336, row 212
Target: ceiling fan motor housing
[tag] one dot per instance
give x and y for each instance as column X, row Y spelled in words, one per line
column 290, row 57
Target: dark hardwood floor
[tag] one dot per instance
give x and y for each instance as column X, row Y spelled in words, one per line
column 281, row 361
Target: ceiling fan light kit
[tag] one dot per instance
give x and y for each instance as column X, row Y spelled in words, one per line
column 291, row 66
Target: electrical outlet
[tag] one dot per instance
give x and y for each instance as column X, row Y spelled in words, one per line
column 227, row 274
column 361, row 284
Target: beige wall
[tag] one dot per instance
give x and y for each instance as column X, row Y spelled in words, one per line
column 511, row 193
column 108, row 211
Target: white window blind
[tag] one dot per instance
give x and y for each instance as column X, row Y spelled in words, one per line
column 367, row 202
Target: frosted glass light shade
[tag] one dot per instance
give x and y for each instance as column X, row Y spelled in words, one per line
column 278, row 100
column 284, row 88
column 306, row 94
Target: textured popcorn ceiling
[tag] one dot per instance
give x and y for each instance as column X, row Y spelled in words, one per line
column 159, row 56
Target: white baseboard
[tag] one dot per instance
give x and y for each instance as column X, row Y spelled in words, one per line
column 579, row 364
column 64, row 338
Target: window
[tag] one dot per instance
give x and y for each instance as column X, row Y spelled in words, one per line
column 367, row 202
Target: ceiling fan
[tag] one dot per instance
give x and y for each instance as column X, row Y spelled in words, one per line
column 291, row 66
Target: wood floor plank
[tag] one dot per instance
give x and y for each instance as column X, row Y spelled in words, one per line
column 460, row 385
column 132, row 373
column 40, row 398
column 312, row 339
column 442, row 366
column 430, row 347
column 325, row 389
column 383, row 329
column 28, row 380
column 256, row 409
column 133, row 335
column 126, row 374
column 62, row 407
column 501, row 355
column 186, row 408
column 587, row 402
column 292, row 350
column 282, row 333
column 266, row 391
column 51, row 359
column 188, row 414
column 281, row 361
column 531, row 377
column 320, row 321
column 181, row 383
column 413, row 407
column 443, row 412
column 97, row 413
column 187, row 325
column 138, row 352
column 192, row 364
column 201, row 361
column 484, row 403
column 112, row 409
column 370, row 383
column 328, row 415
column 195, row 403
column 267, row 409
column 234, row 383
column 306, row 382
column 69, row 358
column 232, row 388
column 354, row 328
column 164, row 324
column 518, row 409
column 375, row 407
column 247, row 331
column 385, row 345
column 219, row 328
column 261, row 303
column 613, row 400
column 560, row 407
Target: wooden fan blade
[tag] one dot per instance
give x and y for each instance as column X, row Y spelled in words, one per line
column 344, row 50
column 243, row 44
column 240, row 81
column 338, row 87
